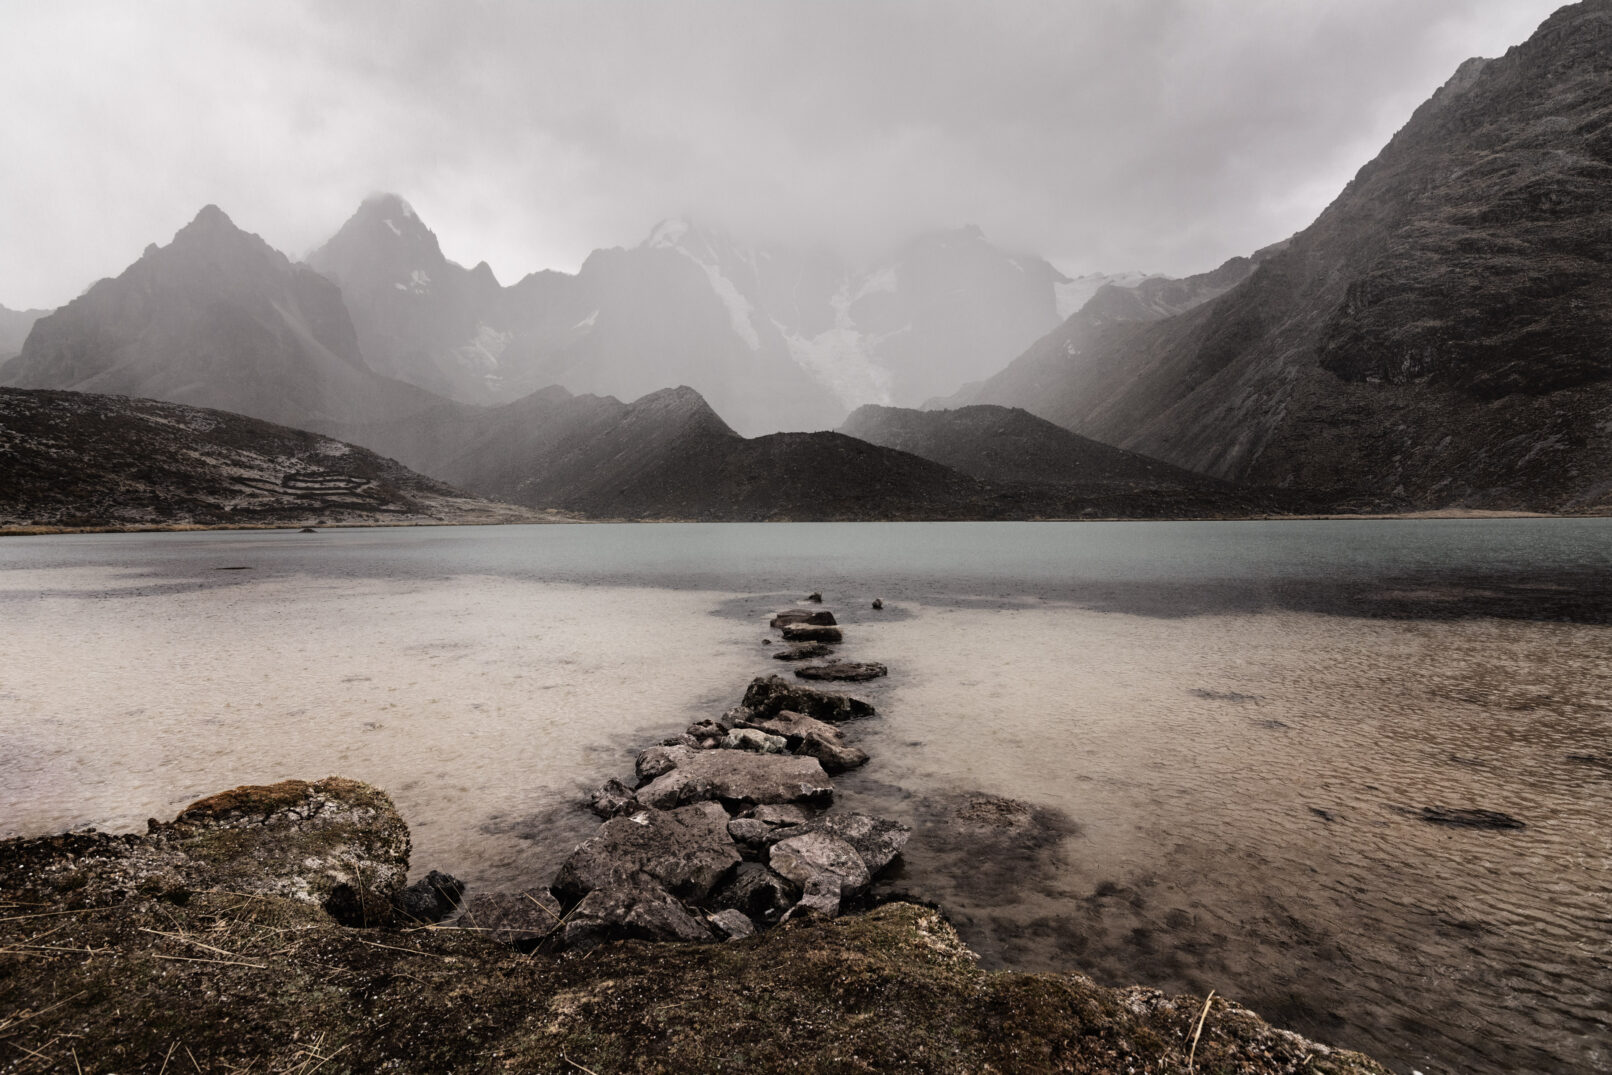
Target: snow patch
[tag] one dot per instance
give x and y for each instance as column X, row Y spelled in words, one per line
column 667, row 234
column 842, row 358
column 390, row 223
column 1071, row 295
column 485, row 350
column 586, row 322
column 739, row 308
column 333, row 448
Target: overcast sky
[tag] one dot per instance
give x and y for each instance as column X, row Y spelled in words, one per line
column 1162, row 135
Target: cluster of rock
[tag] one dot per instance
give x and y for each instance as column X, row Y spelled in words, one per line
column 725, row 828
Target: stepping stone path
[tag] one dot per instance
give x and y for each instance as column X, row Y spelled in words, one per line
column 725, row 829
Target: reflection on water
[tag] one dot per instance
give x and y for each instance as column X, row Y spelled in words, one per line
column 1225, row 731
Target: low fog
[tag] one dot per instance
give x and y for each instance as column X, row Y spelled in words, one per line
column 1106, row 135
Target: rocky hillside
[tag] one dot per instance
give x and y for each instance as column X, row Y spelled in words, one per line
column 1008, row 444
column 72, row 459
column 1438, row 337
column 217, row 318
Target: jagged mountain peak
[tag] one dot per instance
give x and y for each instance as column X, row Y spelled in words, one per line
column 211, row 233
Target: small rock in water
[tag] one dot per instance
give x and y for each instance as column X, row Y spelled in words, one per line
column 878, row 603
column 307, row 530
column 613, row 799
column 430, row 899
column 766, row 641
column 811, row 632
column 755, row 741
column 843, row 671
column 1468, row 819
column 706, row 729
column 518, row 918
column 815, row 597
column 830, row 753
column 803, row 651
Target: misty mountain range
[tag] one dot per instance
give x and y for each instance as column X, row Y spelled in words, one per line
column 1440, row 337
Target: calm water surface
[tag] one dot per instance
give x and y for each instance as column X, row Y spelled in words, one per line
column 1228, row 728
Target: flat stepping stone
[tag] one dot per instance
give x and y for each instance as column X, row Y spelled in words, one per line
column 806, row 632
column 735, row 777
column 843, row 671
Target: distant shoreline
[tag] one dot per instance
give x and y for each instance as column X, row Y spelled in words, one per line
column 163, row 528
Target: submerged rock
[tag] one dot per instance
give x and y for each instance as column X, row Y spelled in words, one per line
column 518, row 918
column 803, row 651
column 1468, row 819
column 846, row 671
column 740, row 778
column 686, row 851
column 768, row 696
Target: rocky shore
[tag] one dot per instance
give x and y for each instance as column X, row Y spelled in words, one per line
column 708, row 925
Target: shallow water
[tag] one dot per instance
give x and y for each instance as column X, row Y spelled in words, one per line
column 1237, row 722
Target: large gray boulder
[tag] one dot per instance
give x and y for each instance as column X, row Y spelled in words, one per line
column 831, row 752
column 877, row 840
column 827, row 868
column 687, row 852
column 630, row 909
column 738, row 778
column 768, row 696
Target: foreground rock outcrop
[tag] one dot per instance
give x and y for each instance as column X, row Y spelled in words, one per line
column 206, row 941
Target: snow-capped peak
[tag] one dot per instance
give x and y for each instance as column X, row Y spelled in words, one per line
column 667, row 234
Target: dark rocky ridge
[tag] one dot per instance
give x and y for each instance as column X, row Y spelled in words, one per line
column 81, row 459
column 1009, row 444
column 668, row 456
column 1438, row 337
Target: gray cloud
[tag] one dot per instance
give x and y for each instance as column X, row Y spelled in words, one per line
column 1105, row 134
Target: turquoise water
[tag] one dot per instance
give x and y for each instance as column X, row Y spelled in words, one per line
column 1232, row 725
